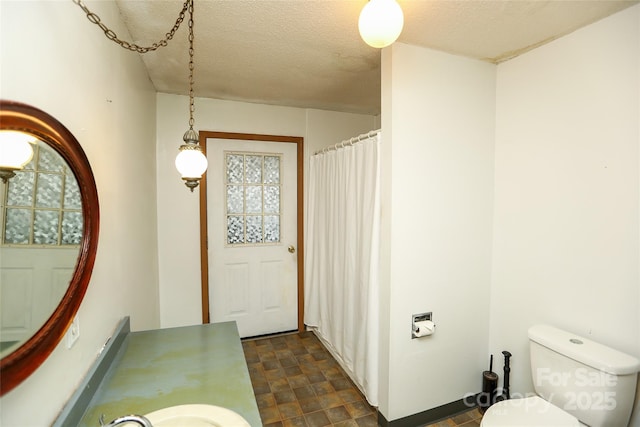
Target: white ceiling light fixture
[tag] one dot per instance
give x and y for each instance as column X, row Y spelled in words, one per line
column 191, row 161
column 380, row 22
column 15, row 152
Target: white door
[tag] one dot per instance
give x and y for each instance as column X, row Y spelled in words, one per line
column 252, row 227
column 33, row 281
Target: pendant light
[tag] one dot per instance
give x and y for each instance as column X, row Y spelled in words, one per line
column 380, row 22
column 191, row 161
column 15, row 152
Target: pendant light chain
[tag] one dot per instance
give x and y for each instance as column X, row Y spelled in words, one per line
column 191, row 161
column 111, row 35
column 191, row 66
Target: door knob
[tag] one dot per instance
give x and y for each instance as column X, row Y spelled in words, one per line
column 291, row 249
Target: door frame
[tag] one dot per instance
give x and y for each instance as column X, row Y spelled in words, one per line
column 204, row 250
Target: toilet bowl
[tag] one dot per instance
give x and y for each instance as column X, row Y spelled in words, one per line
column 532, row 411
column 577, row 382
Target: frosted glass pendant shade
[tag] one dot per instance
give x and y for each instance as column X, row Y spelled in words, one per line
column 15, row 149
column 191, row 162
column 380, row 22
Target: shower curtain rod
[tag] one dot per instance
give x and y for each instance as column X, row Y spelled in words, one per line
column 348, row 142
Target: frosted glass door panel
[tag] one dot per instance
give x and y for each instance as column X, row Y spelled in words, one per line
column 253, row 198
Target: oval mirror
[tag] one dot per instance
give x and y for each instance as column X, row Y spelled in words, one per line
column 49, row 219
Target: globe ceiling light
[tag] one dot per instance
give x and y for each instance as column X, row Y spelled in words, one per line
column 15, row 152
column 380, row 22
column 191, row 161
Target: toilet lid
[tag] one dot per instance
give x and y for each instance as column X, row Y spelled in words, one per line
column 530, row 412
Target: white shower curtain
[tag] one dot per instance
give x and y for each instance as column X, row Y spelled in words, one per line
column 341, row 263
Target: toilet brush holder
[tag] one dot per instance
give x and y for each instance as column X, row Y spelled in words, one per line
column 489, row 388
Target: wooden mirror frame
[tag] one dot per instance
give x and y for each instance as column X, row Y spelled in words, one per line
column 23, row 361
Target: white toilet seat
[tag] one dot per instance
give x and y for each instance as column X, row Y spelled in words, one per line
column 528, row 412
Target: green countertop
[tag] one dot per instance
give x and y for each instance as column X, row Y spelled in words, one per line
column 168, row 367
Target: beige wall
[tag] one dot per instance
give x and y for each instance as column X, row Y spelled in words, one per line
column 437, row 205
column 53, row 58
column 567, row 218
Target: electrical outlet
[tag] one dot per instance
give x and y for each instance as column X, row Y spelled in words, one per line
column 73, row 333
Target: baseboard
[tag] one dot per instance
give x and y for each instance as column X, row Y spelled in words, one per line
column 273, row 335
column 430, row 416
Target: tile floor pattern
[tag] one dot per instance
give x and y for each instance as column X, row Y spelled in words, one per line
column 298, row 383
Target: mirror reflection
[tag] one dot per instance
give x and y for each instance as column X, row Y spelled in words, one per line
column 40, row 234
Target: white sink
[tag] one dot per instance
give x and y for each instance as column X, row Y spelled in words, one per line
column 196, row 416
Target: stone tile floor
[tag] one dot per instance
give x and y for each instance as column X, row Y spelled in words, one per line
column 298, row 383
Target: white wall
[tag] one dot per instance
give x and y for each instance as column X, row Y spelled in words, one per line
column 53, row 58
column 566, row 228
column 437, row 172
column 178, row 215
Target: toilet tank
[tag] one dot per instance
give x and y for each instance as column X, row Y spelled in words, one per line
column 594, row 383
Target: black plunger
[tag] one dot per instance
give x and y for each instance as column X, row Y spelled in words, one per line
column 489, row 387
column 507, row 369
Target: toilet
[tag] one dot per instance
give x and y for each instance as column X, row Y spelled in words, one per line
column 577, row 382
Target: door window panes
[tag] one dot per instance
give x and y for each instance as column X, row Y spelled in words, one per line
column 272, row 199
column 42, row 204
column 272, row 169
column 254, row 229
column 235, row 229
column 253, row 199
column 253, row 188
column 235, row 168
column 49, row 190
column 45, row 227
column 18, row 226
column 272, row 228
column 253, row 173
column 235, row 199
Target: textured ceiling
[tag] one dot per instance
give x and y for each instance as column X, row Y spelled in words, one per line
column 308, row 53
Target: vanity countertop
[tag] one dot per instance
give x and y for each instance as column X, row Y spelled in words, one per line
column 176, row 366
